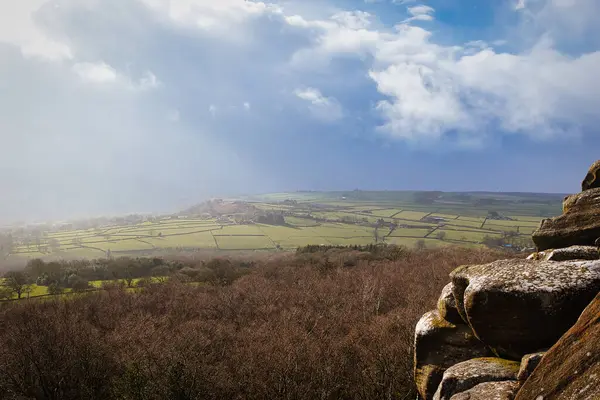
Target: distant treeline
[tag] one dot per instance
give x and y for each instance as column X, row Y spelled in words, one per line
column 126, row 271
column 375, row 251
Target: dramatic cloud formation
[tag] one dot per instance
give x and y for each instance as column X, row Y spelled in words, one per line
column 127, row 105
column 433, row 90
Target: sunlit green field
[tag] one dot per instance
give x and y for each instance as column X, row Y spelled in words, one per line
column 332, row 221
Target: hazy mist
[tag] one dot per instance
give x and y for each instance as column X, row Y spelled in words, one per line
column 120, row 106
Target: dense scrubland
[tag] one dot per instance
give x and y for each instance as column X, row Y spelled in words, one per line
column 322, row 323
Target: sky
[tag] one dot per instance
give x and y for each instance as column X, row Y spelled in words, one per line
column 118, row 106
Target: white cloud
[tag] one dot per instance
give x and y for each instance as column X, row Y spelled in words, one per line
column 424, row 104
column 17, row 27
column 432, row 90
column 352, row 19
column 520, row 5
column 95, row 72
column 420, row 10
column 429, row 89
column 327, row 109
column 102, row 73
column 419, row 13
column 343, row 33
column 220, row 17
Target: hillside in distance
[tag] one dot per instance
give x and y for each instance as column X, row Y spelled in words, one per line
column 285, row 221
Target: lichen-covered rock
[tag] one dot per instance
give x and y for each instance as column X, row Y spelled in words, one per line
column 528, row 364
column 579, row 224
column 567, row 253
column 570, row 370
column 466, row 375
column 447, row 306
column 519, row 307
column 440, row 344
column 581, row 201
column 503, row 390
column 592, row 179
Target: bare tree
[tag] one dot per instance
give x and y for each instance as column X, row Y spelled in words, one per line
column 18, row 282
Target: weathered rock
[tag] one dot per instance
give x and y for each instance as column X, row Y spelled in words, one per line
column 581, row 201
column 579, row 225
column 447, row 306
column 466, row 375
column 528, row 364
column 568, row 253
column 592, row 179
column 519, row 307
column 570, row 370
column 439, row 345
column 503, row 390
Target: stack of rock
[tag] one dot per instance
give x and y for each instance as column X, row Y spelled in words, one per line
column 521, row 329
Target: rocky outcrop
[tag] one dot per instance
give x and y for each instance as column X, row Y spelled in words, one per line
column 505, row 390
column 571, row 368
column 568, row 253
column 465, row 375
column 516, row 309
column 592, row 179
column 578, row 225
column 520, row 306
column 447, row 306
column 440, row 344
column 528, row 364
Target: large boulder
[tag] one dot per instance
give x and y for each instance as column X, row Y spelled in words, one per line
column 440, row 344
column 503, row 390
column 571, row 368
column 579, row 224
column 466, row 375
column 592, row 179
column 519, row 307
column 447, row 306
column 567, row 253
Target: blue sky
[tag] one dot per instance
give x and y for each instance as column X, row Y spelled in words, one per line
column 111, row 106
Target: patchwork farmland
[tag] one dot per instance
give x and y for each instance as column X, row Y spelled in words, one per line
column 305, row 218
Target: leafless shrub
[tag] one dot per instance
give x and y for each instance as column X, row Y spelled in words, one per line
column 312, row 326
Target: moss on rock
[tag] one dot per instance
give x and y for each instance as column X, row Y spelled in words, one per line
column 440, row 344
column 466, row 375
